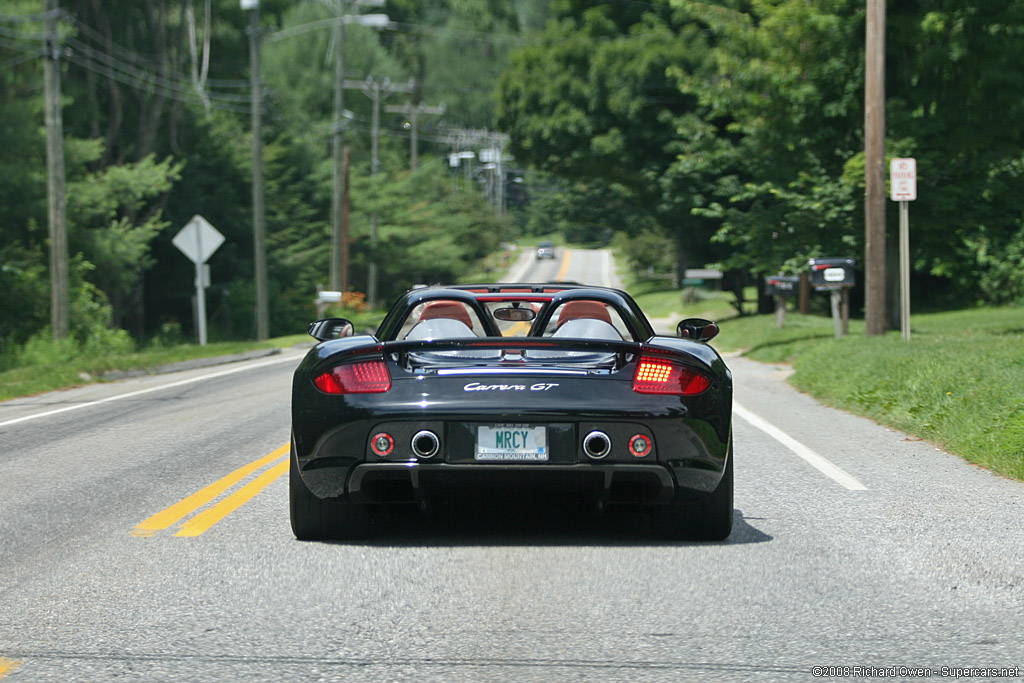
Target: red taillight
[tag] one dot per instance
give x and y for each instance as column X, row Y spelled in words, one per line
column 659, row 376
column 367, row 377
column 639, row 445
column 382, row 444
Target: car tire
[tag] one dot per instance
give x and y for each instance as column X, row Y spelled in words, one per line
column 316, row 519
column 709, row 519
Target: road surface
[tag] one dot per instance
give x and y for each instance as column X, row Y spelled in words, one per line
column 144, row 536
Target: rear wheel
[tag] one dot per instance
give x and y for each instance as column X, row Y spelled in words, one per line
column 315, row 519
column 709, row 519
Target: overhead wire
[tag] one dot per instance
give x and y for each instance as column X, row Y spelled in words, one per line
column 25, row 18
column 182, row 85
column 140, row 72
column 18, row 60
column 133, row 80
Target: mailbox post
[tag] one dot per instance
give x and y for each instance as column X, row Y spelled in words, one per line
column 779, row 287
column 324, row 297
column 835, row 275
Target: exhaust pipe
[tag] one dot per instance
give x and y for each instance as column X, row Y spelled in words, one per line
column 597, row 445
column 425, row 444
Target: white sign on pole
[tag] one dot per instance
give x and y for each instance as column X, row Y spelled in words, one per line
column 198, row 240
column 903, row 180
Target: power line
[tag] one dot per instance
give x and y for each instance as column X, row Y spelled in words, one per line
column 135, row 80
column 18, row 60
column 25, row 18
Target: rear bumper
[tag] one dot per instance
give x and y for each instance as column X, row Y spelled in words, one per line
column 681, row 463
column 410, row 482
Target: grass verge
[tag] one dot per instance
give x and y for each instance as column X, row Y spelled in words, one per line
column 70, row 372
column 959, row 381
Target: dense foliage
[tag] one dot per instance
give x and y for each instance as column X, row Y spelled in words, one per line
column 742, row 122
column 156, row 108
column 701, row 131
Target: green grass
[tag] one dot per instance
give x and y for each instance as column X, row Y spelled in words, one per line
column 959, row 381
column 27, row 381
column 657, row 300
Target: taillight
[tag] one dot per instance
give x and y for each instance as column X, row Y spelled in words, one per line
column 661, row 376
column 367, row 377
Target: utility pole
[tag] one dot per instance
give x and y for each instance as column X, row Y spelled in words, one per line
column 339, row 262
column 337, row 173
column 413, row 113
column 874, row 170
column 344, row 221
column 371, row 288
column 376, row 91
column 56, row 199
column 492, row 156
column 259, row 255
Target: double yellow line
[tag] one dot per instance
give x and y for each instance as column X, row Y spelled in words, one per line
column 7, row 666
column 202, row 522
column 520, row 329
column 564, row 269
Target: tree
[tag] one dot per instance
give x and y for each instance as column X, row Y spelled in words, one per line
column 591, row 99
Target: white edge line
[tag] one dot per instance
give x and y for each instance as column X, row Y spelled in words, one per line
column 606, row 270
column 518, row 275
column 821, row 464
column 191, row 380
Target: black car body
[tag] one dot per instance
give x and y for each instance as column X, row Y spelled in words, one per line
column 545, row 250
column 547, row 385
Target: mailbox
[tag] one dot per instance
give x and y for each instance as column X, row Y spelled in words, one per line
column 828, row 273
column 781, row 285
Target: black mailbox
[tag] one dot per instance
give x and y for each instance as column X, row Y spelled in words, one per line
column 827, row 273
column 781, row 285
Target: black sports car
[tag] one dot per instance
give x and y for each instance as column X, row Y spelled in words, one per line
column 512, row 386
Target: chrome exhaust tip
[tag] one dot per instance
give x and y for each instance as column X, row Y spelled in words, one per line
column 597, row 445
column 425, row 444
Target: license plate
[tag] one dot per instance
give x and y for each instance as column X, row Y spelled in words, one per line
column 511, row 443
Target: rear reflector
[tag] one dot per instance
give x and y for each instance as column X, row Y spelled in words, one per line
column 368, row 377
column 660, row 376
column 639, row 445
column 382, row 444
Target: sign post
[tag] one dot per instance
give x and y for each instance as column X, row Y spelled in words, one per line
column 903, row 182
column 198, row 240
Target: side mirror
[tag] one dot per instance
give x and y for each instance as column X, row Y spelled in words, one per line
column 697, row 329
column 331, row 328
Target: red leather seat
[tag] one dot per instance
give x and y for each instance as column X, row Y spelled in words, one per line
column 450, row 310
column 574, row 310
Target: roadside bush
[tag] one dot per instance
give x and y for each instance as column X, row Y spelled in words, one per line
column 92, row 334
column 1002, row 277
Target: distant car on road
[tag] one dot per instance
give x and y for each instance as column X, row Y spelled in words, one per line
column 512, row 388
column 545, row 250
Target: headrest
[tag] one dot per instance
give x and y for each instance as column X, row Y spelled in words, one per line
column 450, row 310
column 575, row 310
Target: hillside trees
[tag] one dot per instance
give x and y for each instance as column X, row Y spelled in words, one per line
column 591, row 100
column 156, row 109
column 761, row 153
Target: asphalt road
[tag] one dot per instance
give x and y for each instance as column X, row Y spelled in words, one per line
column 854, row 546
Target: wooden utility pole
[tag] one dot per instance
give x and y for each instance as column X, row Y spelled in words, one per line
column 874, row 170
column 344, row 221
column 259, row 248
column 413, row 112
column 60, row 318
column 376, row 91
column 339, row 261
